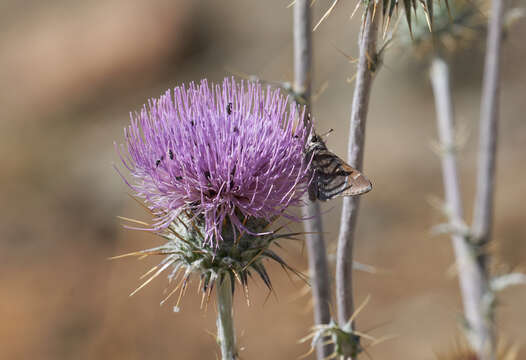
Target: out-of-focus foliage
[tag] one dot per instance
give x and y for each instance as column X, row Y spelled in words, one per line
column 461, row 351
column 390, row 8
column 454, row 28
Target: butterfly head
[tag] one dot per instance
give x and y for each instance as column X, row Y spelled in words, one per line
column 315, row 143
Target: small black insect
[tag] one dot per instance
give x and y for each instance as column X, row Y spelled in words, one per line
column 229, row 108
column 210, row 193
column 232, row 174
column 192, row 123
column 171, row 154
column 158, row 161
column 207, row 174
column 178, row 178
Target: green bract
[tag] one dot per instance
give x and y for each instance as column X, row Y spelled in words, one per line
column 238, row 256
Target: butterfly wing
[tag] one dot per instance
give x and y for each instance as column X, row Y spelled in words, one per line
column 334, row 177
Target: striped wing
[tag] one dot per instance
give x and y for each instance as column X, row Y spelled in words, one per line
column 334, row 177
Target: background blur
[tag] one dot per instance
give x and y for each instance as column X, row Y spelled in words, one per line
column 70, row 74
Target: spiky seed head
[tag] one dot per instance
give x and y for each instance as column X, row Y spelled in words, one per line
column 386, row 8
column 455, row 27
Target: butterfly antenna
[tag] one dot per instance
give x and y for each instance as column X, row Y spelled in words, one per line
column 327, row 132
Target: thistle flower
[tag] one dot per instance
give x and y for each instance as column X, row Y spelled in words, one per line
column 216, row 166
column 221, row 153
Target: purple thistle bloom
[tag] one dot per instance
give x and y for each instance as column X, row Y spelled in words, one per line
column 227, row 152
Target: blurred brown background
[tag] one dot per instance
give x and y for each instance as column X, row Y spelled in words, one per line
column 70, row 73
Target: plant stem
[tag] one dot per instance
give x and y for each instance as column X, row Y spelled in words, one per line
column 317, row 253
column 226, row 336
column 360, row 104
column 446, row 133
column 485, row 188
column 318, row 270
column 483, row 211
column 473, row 281
column 302, row 49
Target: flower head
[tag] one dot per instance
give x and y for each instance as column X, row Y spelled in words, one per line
column 221, row 153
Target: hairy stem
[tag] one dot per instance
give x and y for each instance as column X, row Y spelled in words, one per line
column 473, row 281
column 226, row 336
column 485, row 188
column 360, row 104
column 317, row 253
